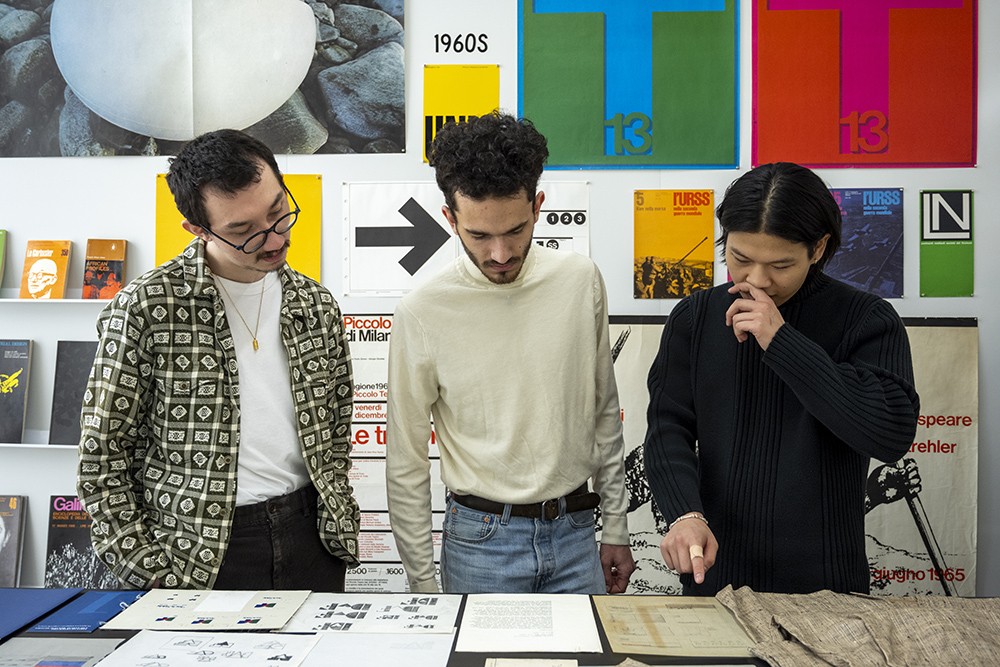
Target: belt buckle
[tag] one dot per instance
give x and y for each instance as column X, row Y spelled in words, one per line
column 550, row 509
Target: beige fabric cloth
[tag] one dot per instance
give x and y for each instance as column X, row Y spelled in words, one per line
column 828, row 628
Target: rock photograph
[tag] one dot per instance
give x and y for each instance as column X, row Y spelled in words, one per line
column 116, row 77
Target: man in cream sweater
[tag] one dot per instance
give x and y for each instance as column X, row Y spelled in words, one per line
column 509, row 350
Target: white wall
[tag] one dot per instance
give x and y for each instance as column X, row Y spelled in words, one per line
column 78, row 198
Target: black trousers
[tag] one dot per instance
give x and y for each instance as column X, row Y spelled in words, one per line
column 275, row 545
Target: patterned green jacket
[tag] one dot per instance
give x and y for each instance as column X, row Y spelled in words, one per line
column 160, row 423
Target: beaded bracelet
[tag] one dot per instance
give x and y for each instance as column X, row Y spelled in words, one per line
column 689, row 515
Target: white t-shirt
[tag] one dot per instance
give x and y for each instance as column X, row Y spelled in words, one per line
column 270, row 456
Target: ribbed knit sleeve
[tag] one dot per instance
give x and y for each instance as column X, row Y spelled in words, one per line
column 864, row 393
column 669, row 450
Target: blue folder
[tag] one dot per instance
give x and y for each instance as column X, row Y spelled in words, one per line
column 21, row 606
column 87, row 612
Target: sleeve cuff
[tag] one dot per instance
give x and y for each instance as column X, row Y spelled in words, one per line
column 614, row 530
column 425, row 586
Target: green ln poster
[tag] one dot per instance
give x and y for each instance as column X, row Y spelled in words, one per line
column 633, row 83
column 946, row 243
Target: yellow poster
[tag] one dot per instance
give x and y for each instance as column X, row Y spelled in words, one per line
column 456, row 92
column 674, row 250
column 303, row 255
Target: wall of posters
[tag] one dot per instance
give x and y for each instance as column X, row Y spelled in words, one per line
column 719, row 116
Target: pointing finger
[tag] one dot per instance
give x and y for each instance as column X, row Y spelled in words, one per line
column 697, row 562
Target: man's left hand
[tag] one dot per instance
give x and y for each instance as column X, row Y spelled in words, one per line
column 618, row 564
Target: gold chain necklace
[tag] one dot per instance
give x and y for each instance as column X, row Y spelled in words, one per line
column 260, row 307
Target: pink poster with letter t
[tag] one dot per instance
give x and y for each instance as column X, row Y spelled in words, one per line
column 849, row 83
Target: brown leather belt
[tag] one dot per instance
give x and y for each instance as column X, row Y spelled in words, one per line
column 576, row 501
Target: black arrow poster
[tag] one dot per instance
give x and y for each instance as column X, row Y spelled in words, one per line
column 396, row 235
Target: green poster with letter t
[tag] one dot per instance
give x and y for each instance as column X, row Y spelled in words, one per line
column 631, row 83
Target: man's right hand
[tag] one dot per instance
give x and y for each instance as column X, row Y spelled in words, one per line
column 682, row 544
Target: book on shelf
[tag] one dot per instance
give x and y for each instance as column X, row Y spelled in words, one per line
column 12, row 522
column 45, row 266
column 3, row 252
column 74, row 359
column 15, row 369
column 70, row 559
column 103, row 268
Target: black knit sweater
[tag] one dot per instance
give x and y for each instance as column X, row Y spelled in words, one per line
column 774, row 447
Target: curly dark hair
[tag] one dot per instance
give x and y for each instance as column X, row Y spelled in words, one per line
column 496, row 155
column 227, row 160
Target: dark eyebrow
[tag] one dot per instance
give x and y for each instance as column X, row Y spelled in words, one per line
column 783, row 260
column 239, row 223
column 512, row 230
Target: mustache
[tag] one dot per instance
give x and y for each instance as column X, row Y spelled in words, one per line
column 288, row 244
column 512, row 260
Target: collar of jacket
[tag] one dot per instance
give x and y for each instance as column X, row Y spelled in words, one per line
column 198, row 278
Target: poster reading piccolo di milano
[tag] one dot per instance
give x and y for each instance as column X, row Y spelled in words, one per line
column 381, row 569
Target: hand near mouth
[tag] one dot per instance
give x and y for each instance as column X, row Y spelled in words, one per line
column 754, row 314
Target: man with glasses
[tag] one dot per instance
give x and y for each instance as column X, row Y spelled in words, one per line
column 216, row 422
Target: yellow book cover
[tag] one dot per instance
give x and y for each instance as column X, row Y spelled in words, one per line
column 45, row 267
column 674, row 252
column 104, row 268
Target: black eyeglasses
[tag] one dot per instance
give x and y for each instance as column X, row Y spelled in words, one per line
column 257, row 241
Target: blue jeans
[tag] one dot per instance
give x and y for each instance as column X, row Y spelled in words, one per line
column 493, row 553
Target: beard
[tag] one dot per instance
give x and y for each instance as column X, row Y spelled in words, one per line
column 487, row 267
